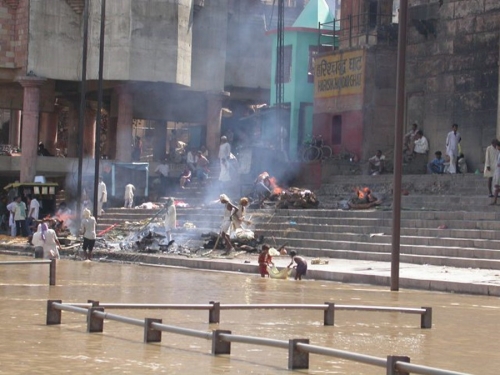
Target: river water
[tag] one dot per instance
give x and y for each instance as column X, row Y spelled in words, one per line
column 464, row 336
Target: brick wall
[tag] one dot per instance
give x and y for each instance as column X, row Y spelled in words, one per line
column 13, row 33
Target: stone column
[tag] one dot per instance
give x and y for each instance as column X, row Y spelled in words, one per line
column 15, row 128
column 213, row 119
column 111, row 138
column 48, row 130
column 124, row 128
column 160, row 140
column 89, row 131
column 73, row 118
column 29, row 136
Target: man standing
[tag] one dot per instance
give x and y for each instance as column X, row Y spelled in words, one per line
column 102, row 196
column 12, row 224
column 490, row 161
column 420, row 153
column 20, row 217
column 34, row 210
column 452, row 141
column 163, row 169
column 129, row 196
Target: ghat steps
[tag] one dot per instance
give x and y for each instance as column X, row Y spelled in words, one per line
column 470, row 238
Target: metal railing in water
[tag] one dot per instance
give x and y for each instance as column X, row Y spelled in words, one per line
column 51, row 263
column 214, row 309
column 298, row 349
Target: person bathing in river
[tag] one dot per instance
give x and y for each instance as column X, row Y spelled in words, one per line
column 301, row 267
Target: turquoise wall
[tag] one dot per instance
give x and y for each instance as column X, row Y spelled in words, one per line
column 298, row 90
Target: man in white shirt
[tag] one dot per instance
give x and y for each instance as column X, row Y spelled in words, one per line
column 129, row 196
column 163, row 170
column 102, row 196
column 34, row 210
column 421, row 143
column 490, row 161
column 376, row 163
column 452, row 141
column 191, row 159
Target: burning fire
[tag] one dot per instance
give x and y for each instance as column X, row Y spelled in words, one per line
column 273, row 186
column 364, row 193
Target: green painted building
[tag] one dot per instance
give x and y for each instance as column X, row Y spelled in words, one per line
column 300, row 44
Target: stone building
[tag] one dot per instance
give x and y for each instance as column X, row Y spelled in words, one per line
column 167, row 65
column 451, row 76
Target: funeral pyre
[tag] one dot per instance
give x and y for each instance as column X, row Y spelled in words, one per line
column 364, row 198
column 267, row 192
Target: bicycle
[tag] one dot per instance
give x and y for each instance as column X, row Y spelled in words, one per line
column 315, row 149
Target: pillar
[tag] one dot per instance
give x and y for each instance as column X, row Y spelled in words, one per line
column 15, row 128
column 72, row 142
column 213, row 119
column 89, row 131
column 110, row 147
column 29, row 135
column 124, row 128
column 48, row 129
column 160, row 140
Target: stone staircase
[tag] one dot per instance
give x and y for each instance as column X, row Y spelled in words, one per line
column 470, row 238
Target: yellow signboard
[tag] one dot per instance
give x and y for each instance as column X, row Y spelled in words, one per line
column 339, row 74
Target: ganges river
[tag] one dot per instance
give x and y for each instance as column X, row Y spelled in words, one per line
column 464, row 337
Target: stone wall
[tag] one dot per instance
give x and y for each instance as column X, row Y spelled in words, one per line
column 145, row 40
column 452, row 72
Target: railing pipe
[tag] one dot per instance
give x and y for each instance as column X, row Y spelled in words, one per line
column 11, row 262
column 265, row 306
column 65, row 307
column 367, row 359
column 254, row 340
column 182, row 331
column 419, row 369
column 119, row 318
column 139, row 306
column 407, row 310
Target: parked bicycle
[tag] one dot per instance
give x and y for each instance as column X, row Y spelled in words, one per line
column 315, row 149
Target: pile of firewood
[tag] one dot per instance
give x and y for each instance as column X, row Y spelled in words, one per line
column 297, row 198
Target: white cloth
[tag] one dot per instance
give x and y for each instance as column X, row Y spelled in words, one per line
column 50, row 249
column 12, row 222
column 163, row 169
column 88, row 228
column 35, row 206
column 224, row 154
column 170, row 218
column 226, row 220
column 421, row 145
column 490, row 160
column 496, row 175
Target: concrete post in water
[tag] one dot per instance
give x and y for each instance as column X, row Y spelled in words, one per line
column 214, row 312
column 297, row 359
column 219, row 346
column 94, row 323
column 53, row 315
column 52, row 273
column 391, row 364
column 151, row 334
column 94, row 303
column 426, row 318
column 329, row 314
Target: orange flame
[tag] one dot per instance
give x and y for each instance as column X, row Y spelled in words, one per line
column 363, row 192
column 273, row 186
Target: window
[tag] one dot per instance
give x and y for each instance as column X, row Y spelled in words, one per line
column 287, row 65
column 337, row 130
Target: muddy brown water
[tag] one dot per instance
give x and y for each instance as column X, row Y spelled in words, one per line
column 464, row 336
